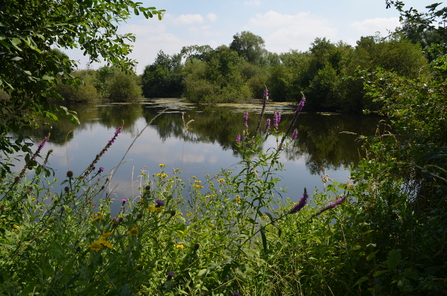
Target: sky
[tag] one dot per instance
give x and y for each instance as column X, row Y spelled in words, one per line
column 283, row 24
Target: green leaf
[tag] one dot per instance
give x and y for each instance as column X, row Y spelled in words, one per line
column 16, row 59
column 46, row 77
column 372, row 255
column 377, row 273
column 394, row 258
column 264, row 240
column 15, row 42
column 360, row 280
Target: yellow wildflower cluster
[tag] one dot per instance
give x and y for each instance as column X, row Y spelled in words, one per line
column 238, row 198
column 162, row 165
column 101, row 243
column 179, row 246
column 162, row 175
column 211, row 195
column 197, row 186
column 221, row 180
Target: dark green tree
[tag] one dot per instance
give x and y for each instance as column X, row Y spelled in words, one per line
column 164, row 78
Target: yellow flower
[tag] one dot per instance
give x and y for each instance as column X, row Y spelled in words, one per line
column 180, row 180
column 221, row 180
column 179, row 246
column 162, row 165
column 33, row 199
column 229, row 172
column 211, row 195
column 238, row 198
column 16, row 226
column 197, row 181
column 181, row 231
column 133, row 231
column 164, row 175
column 154, row 209
column 95, row 246
column 106, row 235
column 197, row 186
column 97, row 218
column 106, row 244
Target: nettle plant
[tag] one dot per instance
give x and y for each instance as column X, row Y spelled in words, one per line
column 230, row 235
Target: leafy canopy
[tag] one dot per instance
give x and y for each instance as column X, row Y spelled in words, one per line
column 31, row 30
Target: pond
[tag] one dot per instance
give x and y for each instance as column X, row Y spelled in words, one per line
column 199, row 140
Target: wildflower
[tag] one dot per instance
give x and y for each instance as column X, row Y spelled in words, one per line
column 70, row 174
column 170, row 275
column 267, row 125
column 16, row 226
column 238, row 139
column 162, row 165
column 276, row 120
column 294, row 134
column 159, row 203
column 181, row 231
column 101, row 169
column 296, row 208
column 221, row 180
column 99, row 217
column 106, row 244
column 298, row 111
column 332, row 205
column 133, row 231
column 266, row 93
column 95, row 246
column 154, row 209
column 246, row 120
column 235, row 293
column 179, row 246
column 123, row 201
column 106, row 235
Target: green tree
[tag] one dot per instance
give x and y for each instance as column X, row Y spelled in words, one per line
column 249, row 46
column 29, row 68
column 164, row 78
column 124, row 87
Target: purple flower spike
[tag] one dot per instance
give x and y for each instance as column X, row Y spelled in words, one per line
column 238, row 138
column 266, row 94
column 267, row 125
column 246, row 120
column 296, row 208
column 294, row 134
column 276, row 120
column 159, row 203
column 332, row 205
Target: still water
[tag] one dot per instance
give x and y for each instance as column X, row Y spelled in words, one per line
column 203, row 147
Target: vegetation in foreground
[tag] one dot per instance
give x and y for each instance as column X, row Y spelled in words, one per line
column 381, row 234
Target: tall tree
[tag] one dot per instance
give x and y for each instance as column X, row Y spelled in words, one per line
column 249, row 46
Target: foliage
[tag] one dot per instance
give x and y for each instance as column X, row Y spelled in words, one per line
column 249, row 46
column 124, row 87
column 164, row 78
column 30, row 67
column 83, row 92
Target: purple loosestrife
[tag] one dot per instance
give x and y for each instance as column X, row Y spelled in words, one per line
column 267, row 125
column 276, row 120
column 298, row 111
column 238, row 139
column 264, row 103
column 246, row 120
column 332, row 205
column 294, row 134
column 296, row 208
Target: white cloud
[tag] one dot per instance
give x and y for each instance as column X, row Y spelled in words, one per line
column 186, row 19
column 211, row 17
column 370, row 26
column 252, row 3
column 286, row 31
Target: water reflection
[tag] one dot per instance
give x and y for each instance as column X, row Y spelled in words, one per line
column 206, row 146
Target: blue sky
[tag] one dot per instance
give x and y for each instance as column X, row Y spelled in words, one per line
column 283, row 24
